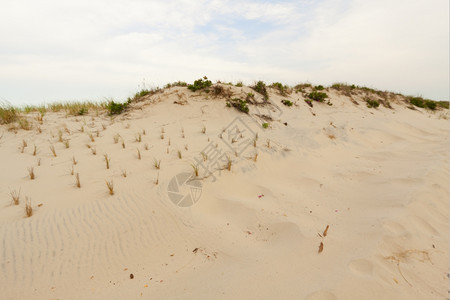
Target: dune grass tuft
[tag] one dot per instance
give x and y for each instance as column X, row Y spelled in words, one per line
column 157, row 164
column 31, row 173
column 15, row 196
column 77, row 180
column 28, row 208
column 66, row 143
column 195, row 167
column 110, row 185
column 229, row 163
column 107, row 160
column 52, row 148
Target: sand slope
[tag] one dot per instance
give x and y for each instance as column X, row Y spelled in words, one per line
column 378, row 177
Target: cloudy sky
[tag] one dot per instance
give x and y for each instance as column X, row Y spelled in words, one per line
column 59, row 50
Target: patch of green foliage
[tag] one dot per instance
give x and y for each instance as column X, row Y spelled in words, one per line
column 177, row 83
column 317, row 96
column 423, row 103
column 282, row 89
column 115, row 108
column 287, row 102
column 319, row 87
column 239, row 104
column 200, row 84
column 372, row 103
column 260, row 87
column 239, row 84
column 443, row 104
column 265, row 125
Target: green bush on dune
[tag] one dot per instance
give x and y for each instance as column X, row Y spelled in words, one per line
column 317, row 96
column 200, row 84
column 239, row 104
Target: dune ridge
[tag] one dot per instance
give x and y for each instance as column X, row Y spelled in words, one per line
column 377, row 177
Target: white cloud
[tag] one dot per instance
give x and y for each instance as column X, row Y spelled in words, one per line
column 56, row 50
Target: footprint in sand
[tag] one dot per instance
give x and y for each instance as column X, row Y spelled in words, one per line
column 361, row 267
column 321, row 295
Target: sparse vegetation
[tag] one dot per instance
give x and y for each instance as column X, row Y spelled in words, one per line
column 239, row 104
column 107, row 160
column 265, row 125
column 203, row 129
column 195, row 167
column 31, row 173
column 77, row 180
column 180, row 156
column 287, row 102
column 28, row 207
column 157, row 164
column 200, row 84
column 115, row 108
column 372, row 103
column 317, row 96
column 52, row 148
column 229, row 163
column 15, row 196
column 282, row 89
column 260, row 87
column 110, row 186
column 138, row 154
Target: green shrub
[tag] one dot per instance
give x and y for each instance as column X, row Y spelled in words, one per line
column 282, row 89
column 317, row 96
column 287, row 102
column 260, row 87
column 372, row 103
column 200, row 84
column 417, row 101
column 239, row 84
column 319, row 88
column 265, row 125
column 443, row 104
column 430, row 104
column 116, row 108
column 239, row 104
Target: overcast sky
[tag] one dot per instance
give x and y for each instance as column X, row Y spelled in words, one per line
column 56, row 50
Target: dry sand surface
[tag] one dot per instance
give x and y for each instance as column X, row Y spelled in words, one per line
column 378, row 179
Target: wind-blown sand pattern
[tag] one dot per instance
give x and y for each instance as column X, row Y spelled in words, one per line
column 377, row 177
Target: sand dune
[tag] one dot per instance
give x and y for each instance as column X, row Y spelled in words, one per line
column 377, row 177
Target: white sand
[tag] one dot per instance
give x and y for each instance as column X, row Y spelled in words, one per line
column 381, row 184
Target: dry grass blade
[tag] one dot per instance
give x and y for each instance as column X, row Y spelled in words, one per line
column 77, row 180
column 146, row 146
column 28, row 208
column 74, row 161
column 124, row 172
column 255, row 157
column 203, row 129
column 107, row 160
column 91, row 137
column 66, row 143
column 24, row 143
column 325, row 232
column 320, row 247
column 204, row 156
column 52, row 148
column 15, row 196
column 34, row 150
column 110, row 185
column 180, row 156
column 138, row 154
column 94, row 151
column 139, row 138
